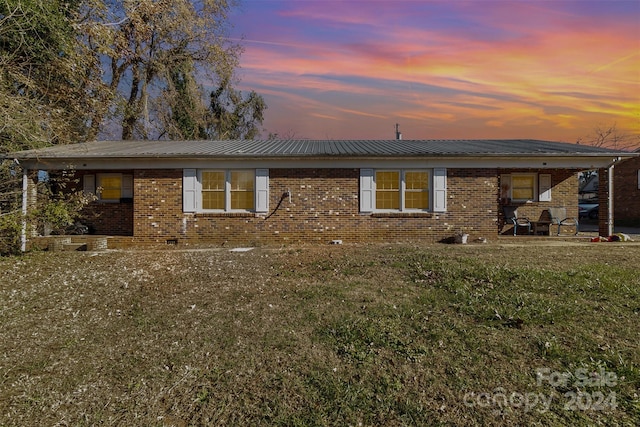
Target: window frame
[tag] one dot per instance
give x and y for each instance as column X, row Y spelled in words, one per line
column 100, row 188
column 535, row 195
column 398, row 192
column 203, row 191
column 91, row 185
column 402, row 190
column 227, row 191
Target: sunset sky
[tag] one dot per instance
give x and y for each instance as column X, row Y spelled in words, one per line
column 442, row 69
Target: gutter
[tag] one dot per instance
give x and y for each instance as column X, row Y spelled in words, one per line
column 610, row 197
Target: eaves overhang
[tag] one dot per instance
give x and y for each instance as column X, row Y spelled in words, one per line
column 154, row 154
column 485, row 161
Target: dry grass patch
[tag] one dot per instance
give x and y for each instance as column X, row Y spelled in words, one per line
column 341, row 335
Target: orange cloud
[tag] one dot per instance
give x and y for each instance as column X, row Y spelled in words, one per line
column 549, row 69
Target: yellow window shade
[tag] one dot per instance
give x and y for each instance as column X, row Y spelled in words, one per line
column 110, row 186
column 416, row 190
column 523, row 187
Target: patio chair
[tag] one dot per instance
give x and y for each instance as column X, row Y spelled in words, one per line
column 559, row 217
column 511, row 216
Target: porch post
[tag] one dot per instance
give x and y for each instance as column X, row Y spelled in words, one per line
column 610, row 202
column 605, row 199
column 25, row 204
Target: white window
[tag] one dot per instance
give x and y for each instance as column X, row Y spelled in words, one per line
column 109, row 187
column 402, row 190
column 213, row 190
column 526, row 187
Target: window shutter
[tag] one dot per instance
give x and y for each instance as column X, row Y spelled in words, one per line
column 127, row 186
column 189, row 190
column 262, row 190
column 505, row 186
column 544, row 187
column 367, row 190
column 439, row 189
column 638, row 179
column 89, row 185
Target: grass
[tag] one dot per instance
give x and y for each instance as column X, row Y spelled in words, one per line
column 341, row 335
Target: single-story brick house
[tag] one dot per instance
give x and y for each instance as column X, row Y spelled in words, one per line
column 626, row 179
column 278, row 191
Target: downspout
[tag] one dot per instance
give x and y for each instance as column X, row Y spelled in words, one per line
column 610, row 196
column 25, row 204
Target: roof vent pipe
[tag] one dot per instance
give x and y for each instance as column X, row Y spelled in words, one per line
column 398, row 134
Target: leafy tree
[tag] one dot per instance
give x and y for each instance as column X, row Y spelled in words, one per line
column 230, row 114
column 153, row 48
column 235, row 116
column 186, row 116
column 42, row 74
column 43, row 79
column 70, row 69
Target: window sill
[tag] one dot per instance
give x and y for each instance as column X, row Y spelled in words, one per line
column 402, row 215
column 226, row 214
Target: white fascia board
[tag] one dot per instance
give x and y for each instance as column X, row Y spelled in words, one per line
column 541, row 162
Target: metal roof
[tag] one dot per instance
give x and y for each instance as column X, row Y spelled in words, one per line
column 314, row 149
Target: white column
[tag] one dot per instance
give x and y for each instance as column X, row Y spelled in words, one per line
column 610, row 202
column 25, row 204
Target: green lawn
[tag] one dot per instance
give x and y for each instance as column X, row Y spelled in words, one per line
column 370, row 335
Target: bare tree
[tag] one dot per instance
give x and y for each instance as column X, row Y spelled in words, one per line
column 610, row 136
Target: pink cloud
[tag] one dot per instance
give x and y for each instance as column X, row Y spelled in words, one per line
column 534, row 64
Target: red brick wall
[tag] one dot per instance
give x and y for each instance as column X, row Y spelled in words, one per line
column 325, row 206
column 626, row 204
column 114, row 219
column 157, row 198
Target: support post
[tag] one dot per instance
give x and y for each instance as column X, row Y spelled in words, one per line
column 610, row 202
column 25, row 205
column 605, row 199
